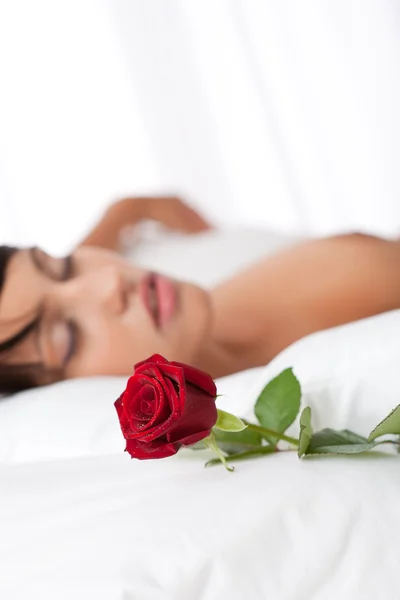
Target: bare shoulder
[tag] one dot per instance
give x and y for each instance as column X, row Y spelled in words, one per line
column 310, row 256
column 313, row 285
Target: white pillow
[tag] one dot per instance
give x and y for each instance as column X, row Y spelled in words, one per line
column 349, row 375
column 63, row 420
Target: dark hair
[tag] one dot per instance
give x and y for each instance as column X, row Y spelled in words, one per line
column 13, row 378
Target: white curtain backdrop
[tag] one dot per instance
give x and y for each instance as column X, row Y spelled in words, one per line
column 277, row 113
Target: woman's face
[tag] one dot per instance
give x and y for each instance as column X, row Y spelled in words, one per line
column 98, row 314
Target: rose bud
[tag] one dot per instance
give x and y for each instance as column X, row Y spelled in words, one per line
column 165, row 405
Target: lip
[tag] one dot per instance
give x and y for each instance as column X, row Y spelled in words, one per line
column 166, row 298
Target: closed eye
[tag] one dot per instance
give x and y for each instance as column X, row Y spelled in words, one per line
column 58, row 269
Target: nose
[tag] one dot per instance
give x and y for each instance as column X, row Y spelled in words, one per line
column 103, row 288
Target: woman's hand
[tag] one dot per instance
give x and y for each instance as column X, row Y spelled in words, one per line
column 170, row 211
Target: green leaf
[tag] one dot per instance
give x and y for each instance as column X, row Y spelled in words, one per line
column 233, row 443
column 330, row 441
column 228, row 422
column 391, row 424
column 279, row 403
column 260, row 451
column 305, row 431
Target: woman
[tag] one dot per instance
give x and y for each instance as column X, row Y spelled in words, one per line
column 95, row 313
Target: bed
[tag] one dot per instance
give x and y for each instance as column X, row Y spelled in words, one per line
column 79, row 519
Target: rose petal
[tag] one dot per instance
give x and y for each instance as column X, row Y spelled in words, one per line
column 176, row 398
column 174, row 372
column 133, row 410
column 119, row 407
column 164, row 374
column 156, row 374
column 152, row 371
column 143, row 451
column 149, row 370
column 155, row 358
column 132, row 401
column 200, row 413
column 148, row 401
column 200, row 379
column 124, row 422
column 160, row 423
column 194, row 438
column 144, row 400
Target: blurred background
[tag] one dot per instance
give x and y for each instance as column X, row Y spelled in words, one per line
column 275, row 113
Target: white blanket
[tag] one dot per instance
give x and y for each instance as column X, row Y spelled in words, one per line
column 106, row 527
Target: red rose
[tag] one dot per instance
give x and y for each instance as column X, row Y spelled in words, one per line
column 165, row 405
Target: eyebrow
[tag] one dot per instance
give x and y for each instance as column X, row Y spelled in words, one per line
column 36, row 260
column 67, row 266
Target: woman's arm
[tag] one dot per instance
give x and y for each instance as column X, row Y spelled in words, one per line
column 167, row 210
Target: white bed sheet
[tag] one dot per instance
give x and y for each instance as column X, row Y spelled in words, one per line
column 114, row 529
column 111, row 528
